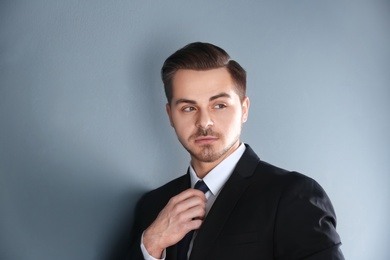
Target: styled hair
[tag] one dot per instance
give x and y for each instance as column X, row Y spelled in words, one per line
column 202, row 56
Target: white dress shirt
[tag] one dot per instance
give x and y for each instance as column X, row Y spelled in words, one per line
column 215, row 180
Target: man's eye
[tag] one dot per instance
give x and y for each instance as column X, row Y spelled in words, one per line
column 188, row 109
column 219, row 106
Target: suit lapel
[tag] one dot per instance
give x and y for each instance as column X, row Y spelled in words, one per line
column 224, row 204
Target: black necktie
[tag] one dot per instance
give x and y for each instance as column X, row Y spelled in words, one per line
column 184, row 244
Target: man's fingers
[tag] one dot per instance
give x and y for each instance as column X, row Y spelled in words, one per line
column 187, row 204
column 191, row 214
column 183, row 213
column 193, row 225
column 188, row 194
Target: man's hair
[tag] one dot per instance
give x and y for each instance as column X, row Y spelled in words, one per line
column 202, row 56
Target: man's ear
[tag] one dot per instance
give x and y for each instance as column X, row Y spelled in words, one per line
column 245, row 109
column 169, row 112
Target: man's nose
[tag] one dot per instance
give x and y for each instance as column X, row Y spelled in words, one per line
column 204, row 120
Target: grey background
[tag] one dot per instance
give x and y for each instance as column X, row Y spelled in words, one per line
column 83, row 129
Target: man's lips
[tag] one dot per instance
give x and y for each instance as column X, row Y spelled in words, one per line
column 205, row 139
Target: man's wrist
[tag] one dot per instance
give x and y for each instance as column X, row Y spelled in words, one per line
column 150, row 246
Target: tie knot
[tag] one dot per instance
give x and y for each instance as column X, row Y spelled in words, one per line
column 200, row 185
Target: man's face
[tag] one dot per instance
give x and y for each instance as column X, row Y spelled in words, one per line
column 206, row 113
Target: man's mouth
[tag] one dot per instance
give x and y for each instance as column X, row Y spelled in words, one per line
column 205, row 139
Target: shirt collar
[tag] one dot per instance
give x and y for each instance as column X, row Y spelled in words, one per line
column 218, row 176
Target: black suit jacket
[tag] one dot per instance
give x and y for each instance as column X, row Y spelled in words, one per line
column 262, row 212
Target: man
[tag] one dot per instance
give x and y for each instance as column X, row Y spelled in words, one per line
column 249, row 209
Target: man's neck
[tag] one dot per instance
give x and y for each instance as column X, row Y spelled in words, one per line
column 203, row 168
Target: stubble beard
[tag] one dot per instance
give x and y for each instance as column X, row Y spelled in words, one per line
column 207, row 153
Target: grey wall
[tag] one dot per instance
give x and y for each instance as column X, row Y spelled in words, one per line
column 83, row 130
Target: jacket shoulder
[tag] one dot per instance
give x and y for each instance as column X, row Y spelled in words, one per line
column 279, row 175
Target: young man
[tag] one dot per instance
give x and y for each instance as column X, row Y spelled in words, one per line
column 247, row 208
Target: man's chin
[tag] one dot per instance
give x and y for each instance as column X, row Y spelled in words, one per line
column 207, row 155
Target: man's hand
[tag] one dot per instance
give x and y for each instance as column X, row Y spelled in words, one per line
column 183, row 213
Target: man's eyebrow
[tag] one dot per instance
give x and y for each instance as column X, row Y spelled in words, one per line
column 193, row 102
column 183, row 100
column 223, row 94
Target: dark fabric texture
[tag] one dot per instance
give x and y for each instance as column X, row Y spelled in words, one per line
column 262, row 212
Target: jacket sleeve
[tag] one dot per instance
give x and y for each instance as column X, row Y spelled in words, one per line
column 305, row 226
column 135, row 252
